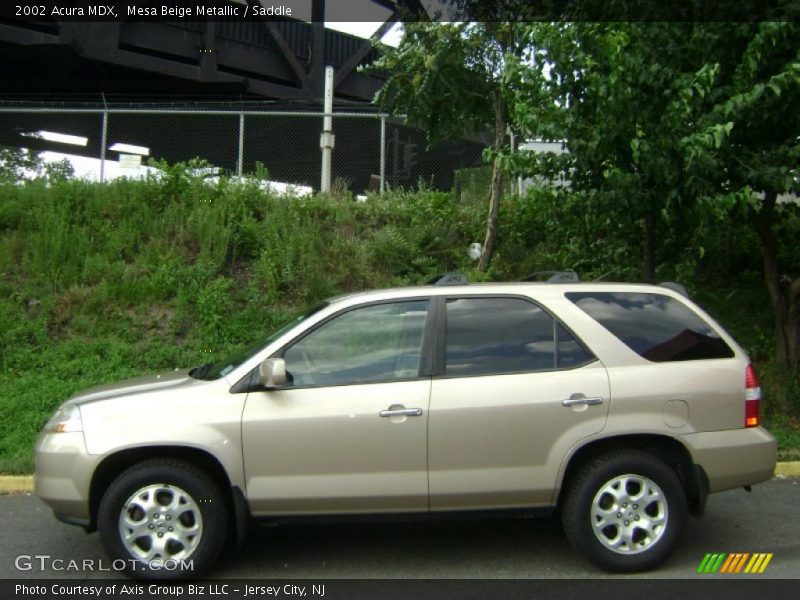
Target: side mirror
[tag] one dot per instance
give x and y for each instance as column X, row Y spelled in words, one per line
column 272, row 373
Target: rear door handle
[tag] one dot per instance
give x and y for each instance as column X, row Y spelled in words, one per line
column 401, row 412
column 578, row 401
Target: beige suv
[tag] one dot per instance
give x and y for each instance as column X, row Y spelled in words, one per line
column 620, row 406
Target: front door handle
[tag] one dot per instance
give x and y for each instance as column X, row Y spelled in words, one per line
column 582, row 400
column 401, row 412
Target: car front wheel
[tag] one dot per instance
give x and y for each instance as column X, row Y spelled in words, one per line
column 625, row 511
column 163, row 519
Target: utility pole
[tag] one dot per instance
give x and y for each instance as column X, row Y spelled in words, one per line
column 326, row 139
column 240, row 159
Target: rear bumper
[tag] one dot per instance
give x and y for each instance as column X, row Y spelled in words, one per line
column 734, row 458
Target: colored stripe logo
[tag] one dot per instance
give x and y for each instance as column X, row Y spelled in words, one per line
column 734, row 563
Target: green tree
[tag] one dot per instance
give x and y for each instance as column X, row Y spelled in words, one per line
column 58, row 170
column 611, row 91
column 16, row 163
column 746, row 149
column 451, row 80
column 667, row 122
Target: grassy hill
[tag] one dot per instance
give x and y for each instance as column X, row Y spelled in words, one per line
column 103, row 281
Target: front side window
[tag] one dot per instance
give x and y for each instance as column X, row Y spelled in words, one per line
column 655, row 326
column 492, row 336
column 211, row 371
column 381, row 342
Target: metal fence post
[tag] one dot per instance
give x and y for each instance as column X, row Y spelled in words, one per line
column 383, row 154
column 240, row 160
column 103, row 144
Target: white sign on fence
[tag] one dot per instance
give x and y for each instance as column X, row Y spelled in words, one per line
column 130, row 161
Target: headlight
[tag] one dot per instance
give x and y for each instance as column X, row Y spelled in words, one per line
column 66, row 419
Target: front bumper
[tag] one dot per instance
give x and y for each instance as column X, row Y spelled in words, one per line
column 734, row 458
column 63, row 475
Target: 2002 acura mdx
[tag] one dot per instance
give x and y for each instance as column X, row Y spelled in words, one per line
column 619, row 405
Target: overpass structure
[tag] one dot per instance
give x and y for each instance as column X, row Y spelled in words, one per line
column 279, row 58
column 234, row 64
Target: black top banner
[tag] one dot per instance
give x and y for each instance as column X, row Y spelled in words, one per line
column 42, row 11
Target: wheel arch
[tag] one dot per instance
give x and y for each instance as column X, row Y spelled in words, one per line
column 674, row 453
column 114, row 464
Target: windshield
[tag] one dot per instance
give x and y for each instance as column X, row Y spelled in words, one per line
column 221, row 368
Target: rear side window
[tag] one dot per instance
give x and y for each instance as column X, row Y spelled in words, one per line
column 492, row 336
column 656, row 327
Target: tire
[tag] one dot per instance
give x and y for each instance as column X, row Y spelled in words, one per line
column 185, row 538
column 625, row 511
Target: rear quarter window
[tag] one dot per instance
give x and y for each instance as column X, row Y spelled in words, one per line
column 495, row 336
column 655, row 326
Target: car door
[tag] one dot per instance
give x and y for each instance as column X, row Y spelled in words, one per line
column 347, row 433
column 513, row 390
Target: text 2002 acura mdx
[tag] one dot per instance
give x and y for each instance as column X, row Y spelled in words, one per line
column 619, row 405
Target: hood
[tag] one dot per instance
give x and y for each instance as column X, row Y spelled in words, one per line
column 148, row 383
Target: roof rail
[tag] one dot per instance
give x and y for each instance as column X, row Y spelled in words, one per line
column 450, row 278
column 675, row 287
column 553, row 276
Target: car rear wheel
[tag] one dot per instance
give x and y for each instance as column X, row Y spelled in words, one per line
column 163, row 519
column 625, row 511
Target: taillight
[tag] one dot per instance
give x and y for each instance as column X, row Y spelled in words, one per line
column 752, row 397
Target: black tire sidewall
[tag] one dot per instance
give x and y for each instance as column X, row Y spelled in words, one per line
column 576, row 512
column 200, row 487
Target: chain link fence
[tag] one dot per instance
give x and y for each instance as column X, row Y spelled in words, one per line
column 372, row 151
